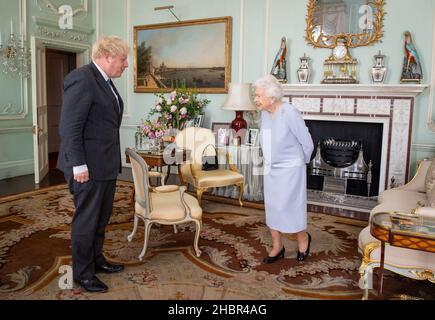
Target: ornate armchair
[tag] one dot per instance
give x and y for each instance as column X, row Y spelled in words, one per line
column 168, row 205
column 416, row 197
column 196, row 140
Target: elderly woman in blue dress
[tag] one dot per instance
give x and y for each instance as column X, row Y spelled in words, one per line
column 287, row 147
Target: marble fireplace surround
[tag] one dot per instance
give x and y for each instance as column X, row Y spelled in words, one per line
column 390, row 105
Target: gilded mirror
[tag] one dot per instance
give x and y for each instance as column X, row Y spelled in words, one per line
column 357, row 21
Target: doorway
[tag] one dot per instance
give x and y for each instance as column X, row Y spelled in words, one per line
column 58, row 65
column 47, row 80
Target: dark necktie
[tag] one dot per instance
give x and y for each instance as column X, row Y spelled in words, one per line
column 112, row 88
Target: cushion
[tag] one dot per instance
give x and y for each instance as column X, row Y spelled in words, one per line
column 429, row 183
column 399, row 257
column 167, row 206
column 217, row 178
column 431, row 197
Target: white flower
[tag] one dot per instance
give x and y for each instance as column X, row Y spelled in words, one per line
column 159, row 108
column 183, row 111
column 169, row 102
column 173, row 109
column 160, row 101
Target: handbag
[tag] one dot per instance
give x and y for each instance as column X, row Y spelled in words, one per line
column 209, row 162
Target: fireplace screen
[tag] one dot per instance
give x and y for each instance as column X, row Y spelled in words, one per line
column 339, row 160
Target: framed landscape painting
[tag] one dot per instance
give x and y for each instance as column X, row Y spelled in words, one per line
column 195, row 54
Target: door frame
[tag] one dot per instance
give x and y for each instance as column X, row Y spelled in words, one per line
column 83, row 56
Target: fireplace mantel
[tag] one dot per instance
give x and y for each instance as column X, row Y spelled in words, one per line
column 370, row 90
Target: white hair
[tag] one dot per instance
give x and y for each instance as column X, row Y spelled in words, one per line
column 271, row 87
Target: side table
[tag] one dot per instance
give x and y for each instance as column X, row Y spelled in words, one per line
column 162, row 158
column 402, row 230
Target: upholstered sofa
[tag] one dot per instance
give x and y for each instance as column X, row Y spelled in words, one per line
column 416, row 197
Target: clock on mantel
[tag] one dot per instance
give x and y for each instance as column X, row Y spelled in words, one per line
column 340, row 66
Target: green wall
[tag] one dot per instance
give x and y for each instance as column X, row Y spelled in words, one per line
column 16, row 138
column 249, row 17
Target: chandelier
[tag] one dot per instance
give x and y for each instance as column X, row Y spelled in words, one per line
column 14, row 56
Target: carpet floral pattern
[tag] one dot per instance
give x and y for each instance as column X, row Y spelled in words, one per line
column 35, row 242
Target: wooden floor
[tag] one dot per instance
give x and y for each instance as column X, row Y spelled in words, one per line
column 18, row 185
column 26, row 183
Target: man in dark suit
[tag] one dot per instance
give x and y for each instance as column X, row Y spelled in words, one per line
column 90, row 155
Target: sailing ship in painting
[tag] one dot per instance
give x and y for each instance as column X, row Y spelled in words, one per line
column 164, row 76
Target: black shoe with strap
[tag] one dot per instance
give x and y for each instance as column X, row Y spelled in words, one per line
column 109, row 268
column 273, row 259
column 92, row 285
column 302, row 255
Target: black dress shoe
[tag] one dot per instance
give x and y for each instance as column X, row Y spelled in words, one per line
column 109, row 268
column 302, row 255
column 93, row 285
column 270, row 259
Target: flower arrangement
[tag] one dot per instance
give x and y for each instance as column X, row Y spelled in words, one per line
column 180, row 107
column 152, row 130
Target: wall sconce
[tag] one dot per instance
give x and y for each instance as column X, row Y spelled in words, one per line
column 14, row 56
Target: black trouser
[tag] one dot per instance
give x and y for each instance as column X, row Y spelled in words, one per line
column 93, row 203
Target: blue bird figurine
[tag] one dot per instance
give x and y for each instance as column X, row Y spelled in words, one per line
column 412, row 71
column 279, row 63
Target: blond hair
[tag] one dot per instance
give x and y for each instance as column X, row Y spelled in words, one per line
column 109, row 45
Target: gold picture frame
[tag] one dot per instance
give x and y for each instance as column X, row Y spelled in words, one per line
column 194, row 53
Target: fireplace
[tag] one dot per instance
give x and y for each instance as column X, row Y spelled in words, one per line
column 351, row 152
column 380, row 116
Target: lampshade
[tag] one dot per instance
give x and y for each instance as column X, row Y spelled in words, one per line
column 239, row 98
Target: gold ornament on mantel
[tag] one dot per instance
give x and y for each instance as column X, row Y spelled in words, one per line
column 340, row 67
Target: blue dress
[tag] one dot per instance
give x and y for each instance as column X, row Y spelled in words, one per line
column 287, row 147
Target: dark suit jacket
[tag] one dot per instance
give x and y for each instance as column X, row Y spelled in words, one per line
column 89, row 125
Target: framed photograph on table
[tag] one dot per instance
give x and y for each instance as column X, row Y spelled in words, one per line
column 251, row 137
column 196, row 122
column 222, row 132
column 194, row 53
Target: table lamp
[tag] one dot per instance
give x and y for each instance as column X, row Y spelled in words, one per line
column 239, row 99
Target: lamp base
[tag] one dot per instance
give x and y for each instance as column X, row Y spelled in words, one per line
column 239, row 123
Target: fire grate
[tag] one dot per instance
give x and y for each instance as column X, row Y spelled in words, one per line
column 338, row 161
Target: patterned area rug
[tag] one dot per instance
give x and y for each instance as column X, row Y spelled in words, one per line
column 35, row 242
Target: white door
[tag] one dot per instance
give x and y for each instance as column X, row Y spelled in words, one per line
column 39, row 107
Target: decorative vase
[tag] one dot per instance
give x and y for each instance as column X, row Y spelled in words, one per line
column 138, row 141
column 379, row 70
column 304, row 71
column 155, row 144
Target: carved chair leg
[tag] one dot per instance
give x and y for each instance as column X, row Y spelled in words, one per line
column 195, row 243
column 199, row 193
column 136, row 221
column 241, row 188
column 366, row 280
column 147, row 229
